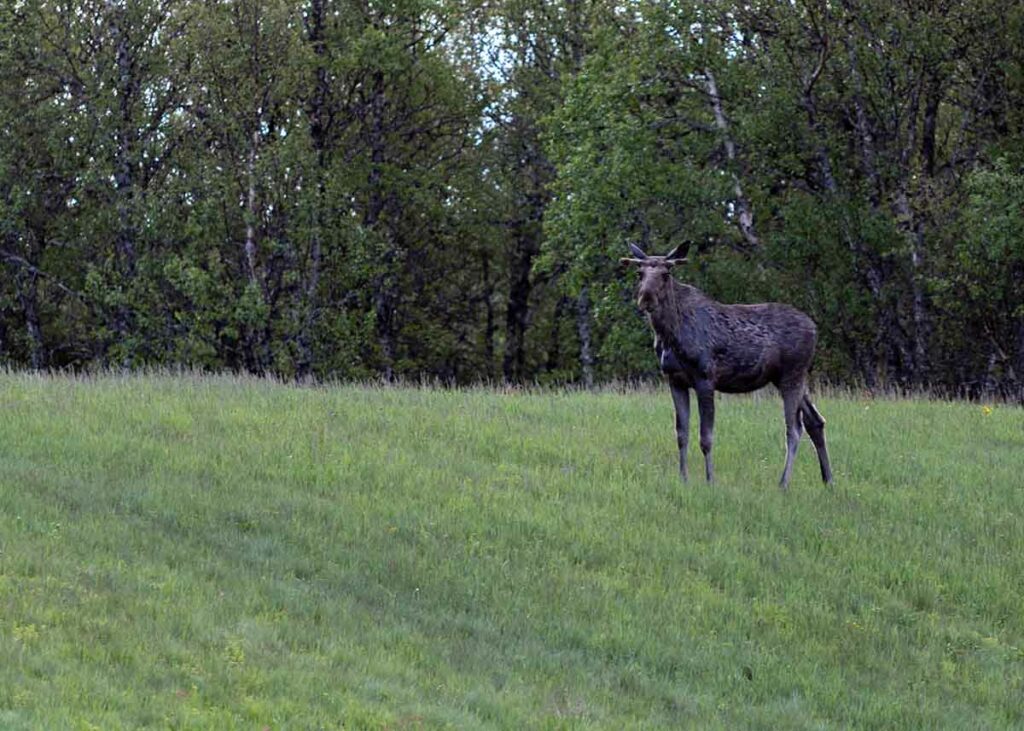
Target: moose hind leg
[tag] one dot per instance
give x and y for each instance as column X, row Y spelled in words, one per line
column 791, row 400
column 815, row 424
column 681, row 399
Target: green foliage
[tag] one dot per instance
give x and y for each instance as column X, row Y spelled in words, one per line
column 849, row 216
column 982, row 286
column 991, row 254
column 441, row 189
column 209, row 552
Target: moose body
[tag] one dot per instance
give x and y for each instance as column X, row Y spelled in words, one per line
column 707, row 346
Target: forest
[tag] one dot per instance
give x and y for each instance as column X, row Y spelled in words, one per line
column 440, row 190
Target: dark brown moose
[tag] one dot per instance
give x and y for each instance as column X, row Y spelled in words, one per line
column 707, row 346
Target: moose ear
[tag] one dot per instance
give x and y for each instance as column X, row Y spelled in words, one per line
column 637, row 251
column 676, row 256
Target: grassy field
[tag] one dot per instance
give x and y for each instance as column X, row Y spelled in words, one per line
column 212, row 553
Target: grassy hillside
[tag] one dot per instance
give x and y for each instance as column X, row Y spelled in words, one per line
column 216, row 553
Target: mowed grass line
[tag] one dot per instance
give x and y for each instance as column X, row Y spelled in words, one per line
column 209, row 552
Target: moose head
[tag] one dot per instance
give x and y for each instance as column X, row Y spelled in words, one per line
column 655, row 279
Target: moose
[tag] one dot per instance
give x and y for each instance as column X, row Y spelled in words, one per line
column 708, row 346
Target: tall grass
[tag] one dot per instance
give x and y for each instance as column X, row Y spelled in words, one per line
column 204, row 552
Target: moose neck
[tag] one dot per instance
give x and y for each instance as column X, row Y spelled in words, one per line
column 668, row 313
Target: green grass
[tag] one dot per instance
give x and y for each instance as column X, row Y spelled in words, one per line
column 185, row 552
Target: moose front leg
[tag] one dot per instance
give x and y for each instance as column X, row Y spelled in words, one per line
column 681, row 399
column 706, row 405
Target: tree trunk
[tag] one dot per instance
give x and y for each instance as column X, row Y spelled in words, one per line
column 255, row 342
column 990, row 383
column 3, row 341
column 383, row 295
column 933, row 98
column 913, row 229
column 515, row 321
column 586, row 343
column 744, row 209
column 489, row 327
column 518, row 307
column 384, row 312
column 555, row 341
column 865, row 137
column 533, row 173
column 124, row 170
column 311, row 305
column 911, row 224
column 1018, row 365
column 252, row 210
column 318, row 131
column 28, row 298
column 810, row 104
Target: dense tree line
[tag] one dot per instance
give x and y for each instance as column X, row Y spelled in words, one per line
column 442, row 188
